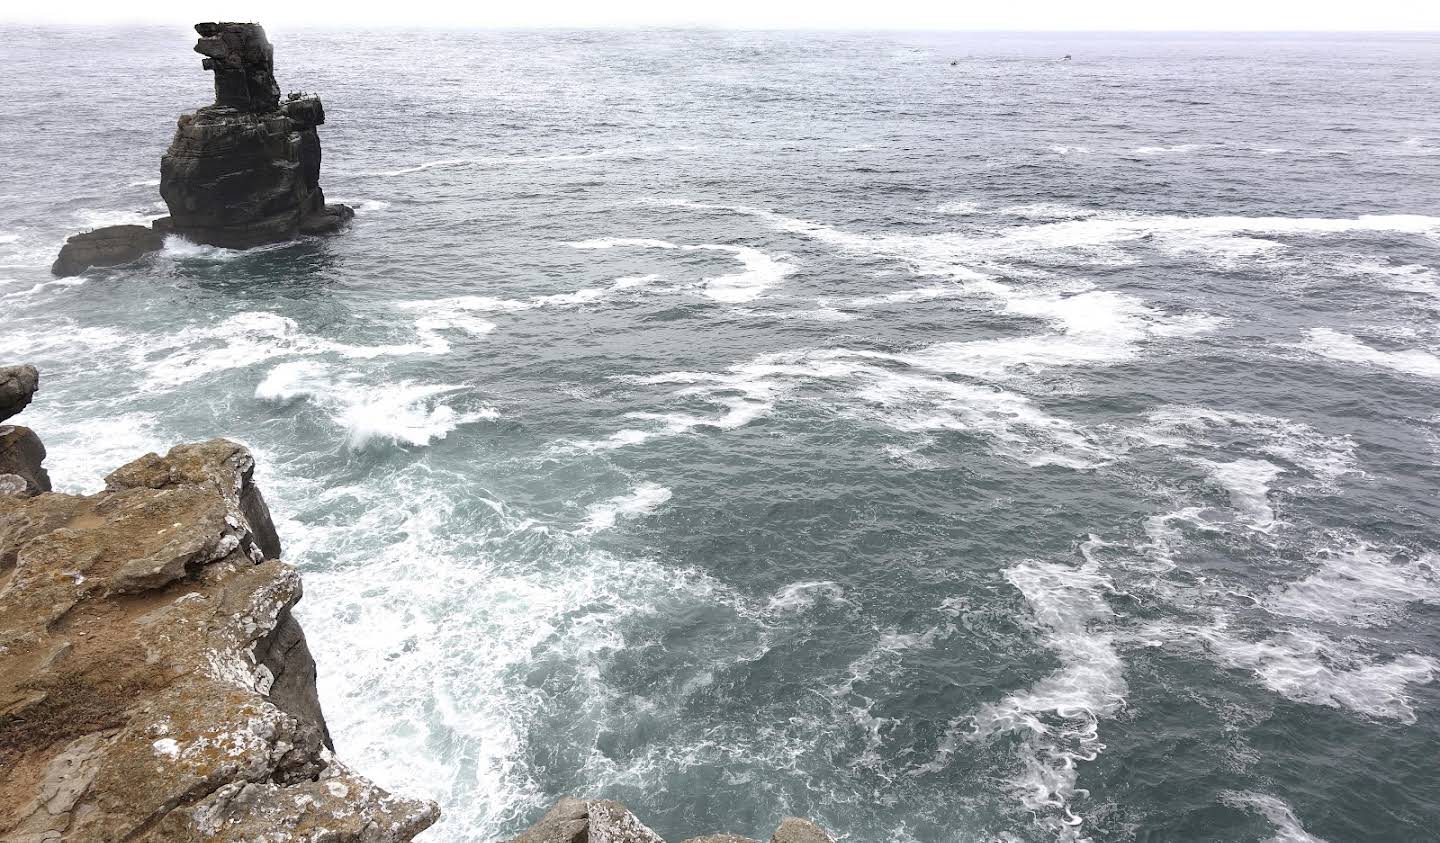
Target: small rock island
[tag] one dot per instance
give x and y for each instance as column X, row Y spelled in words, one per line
column 242, row 172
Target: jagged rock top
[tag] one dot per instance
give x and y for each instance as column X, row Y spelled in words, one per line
column 153, row 683
column 244, row 65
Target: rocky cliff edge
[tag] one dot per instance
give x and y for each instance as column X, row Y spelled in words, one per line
column 153, row 682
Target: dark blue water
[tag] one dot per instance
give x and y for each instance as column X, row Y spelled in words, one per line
column 914, row 432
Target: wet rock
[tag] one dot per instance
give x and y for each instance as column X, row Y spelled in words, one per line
column 110, row 246
column 22, row 455
column 17, row 386
column 246, row 170
column 797, row 830
column 606, row 821
column 153, row 682
column 588, row 821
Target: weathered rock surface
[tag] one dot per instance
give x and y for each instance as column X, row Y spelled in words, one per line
column 22, row 455
column 17, row 387
column 153, row 683
column 109, row 246
column 607, row 821
column 246, row 170
column 798, row 830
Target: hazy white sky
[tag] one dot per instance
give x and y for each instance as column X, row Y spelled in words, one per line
column 819, row 14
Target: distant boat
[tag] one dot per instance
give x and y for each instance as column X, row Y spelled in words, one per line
column 1067, row 57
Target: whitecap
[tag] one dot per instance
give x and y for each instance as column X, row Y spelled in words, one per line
column 1335, row 345
column 1308, row 667
column 1357, row 586
column 1247, row 481
column 802, row 596
column 1167, row 150
column 90, row 218
column 401, row 413
column 642, row 500
column 761, row 270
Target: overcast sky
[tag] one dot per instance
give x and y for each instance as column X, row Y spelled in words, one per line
column 811, row 14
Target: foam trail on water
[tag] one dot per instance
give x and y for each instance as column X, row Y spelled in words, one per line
column 1280, row 815
column 642, row 500
column 1344, row 347
column 761, row 271
column 1247, row 482
column 1358, row 586
column 1309, row 667
column 1057, row 719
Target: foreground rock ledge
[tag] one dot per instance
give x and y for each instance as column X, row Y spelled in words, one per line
column 154, row 685
column 607, row 821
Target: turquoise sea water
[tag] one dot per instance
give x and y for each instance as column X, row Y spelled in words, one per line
column 915, row 432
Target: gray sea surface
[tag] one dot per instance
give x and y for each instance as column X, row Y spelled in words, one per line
column 915, row 432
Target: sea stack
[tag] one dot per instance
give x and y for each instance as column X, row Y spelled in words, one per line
column 246, row 170
column 240, row 173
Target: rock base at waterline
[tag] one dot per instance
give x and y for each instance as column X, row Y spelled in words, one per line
column 110, row 246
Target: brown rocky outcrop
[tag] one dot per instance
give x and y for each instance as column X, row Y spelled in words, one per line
column 246, row 170
column 607, row 821
column 154, row 685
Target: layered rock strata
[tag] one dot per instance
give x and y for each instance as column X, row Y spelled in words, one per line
column 607, row 821
column 154, row 685
column 246, row 170
column 242, row 172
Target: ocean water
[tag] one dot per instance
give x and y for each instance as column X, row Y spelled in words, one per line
column 915, row 432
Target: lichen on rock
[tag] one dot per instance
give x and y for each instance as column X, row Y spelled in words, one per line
column 153, row 682
column 574, row 820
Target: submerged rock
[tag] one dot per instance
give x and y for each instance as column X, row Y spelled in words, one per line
column 17, row 387
column 154, row 685
column 246, row 170
column 607, row 821
column 110, row 246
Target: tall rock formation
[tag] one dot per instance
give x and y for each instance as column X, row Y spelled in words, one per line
column 240, row 173
column 246, row 170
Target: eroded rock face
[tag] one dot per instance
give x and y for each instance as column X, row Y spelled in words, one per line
column 22, row 454
column 246, row 170
column 153, row 683
column 112, row 245
column 607, row 821
column 17, row 386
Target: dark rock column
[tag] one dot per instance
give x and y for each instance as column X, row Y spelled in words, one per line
column 246, row 170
